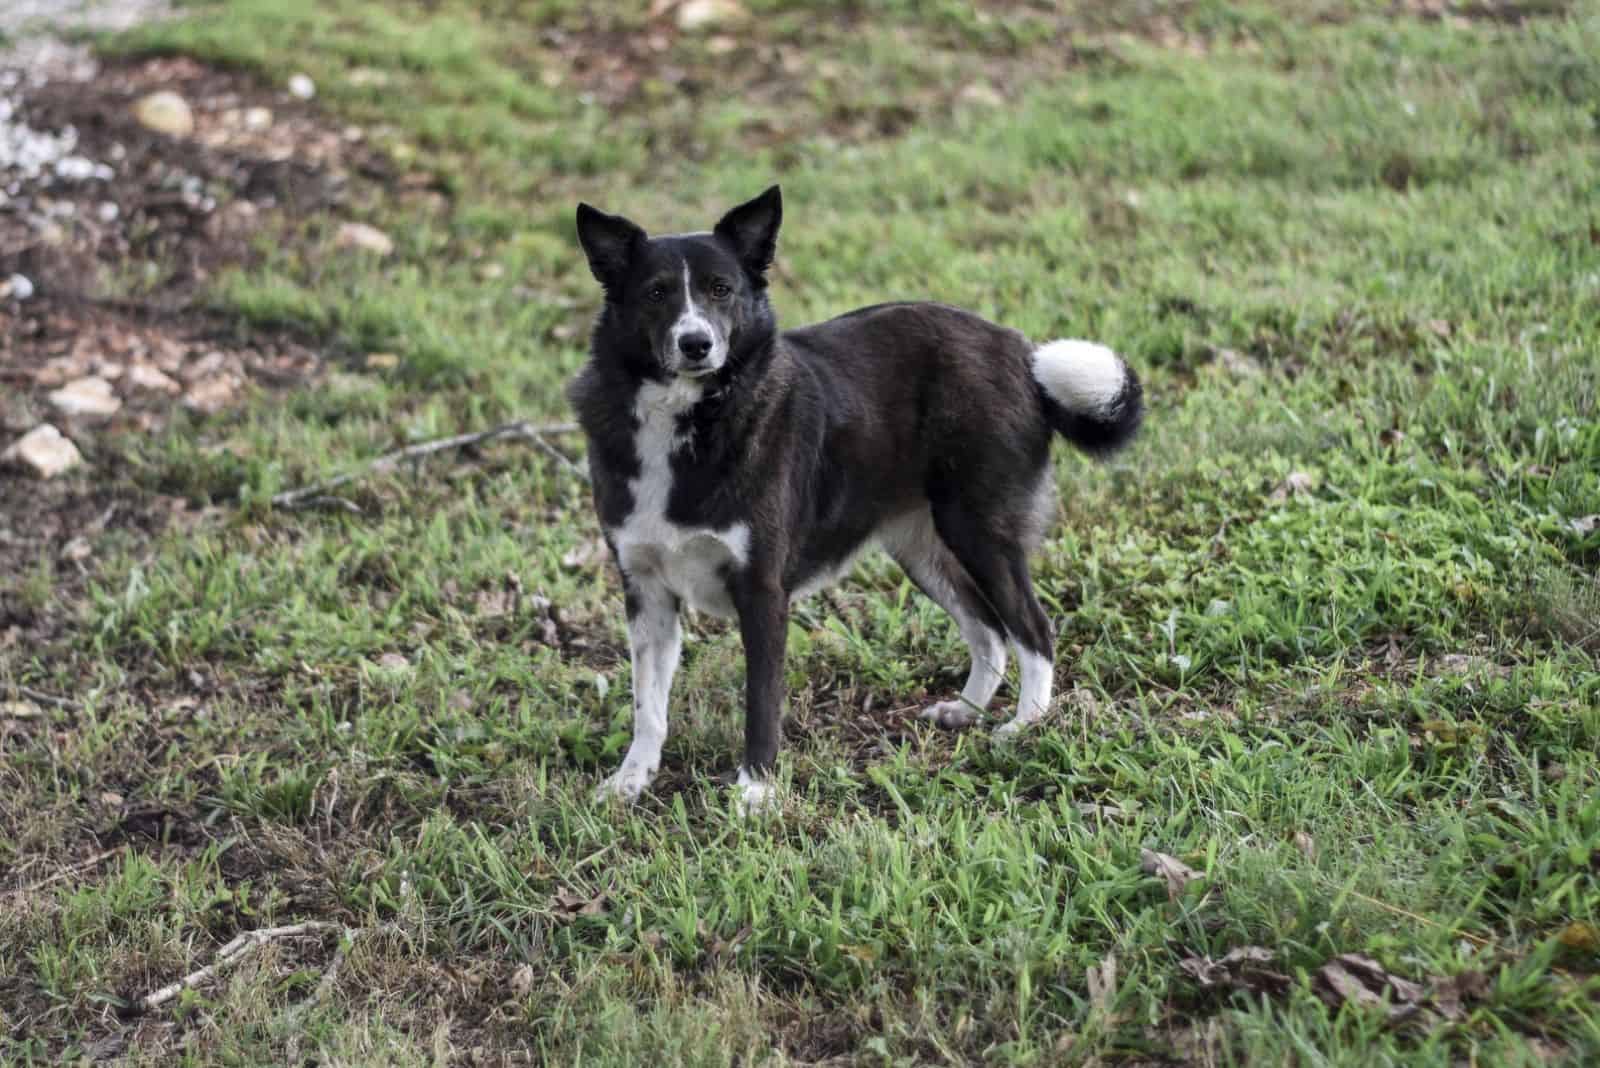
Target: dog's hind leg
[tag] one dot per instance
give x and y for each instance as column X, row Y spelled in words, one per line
column 916, row 547
column 995, row 556
column 655, row 639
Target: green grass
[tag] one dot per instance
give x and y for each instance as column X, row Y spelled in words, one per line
column 1367, row 712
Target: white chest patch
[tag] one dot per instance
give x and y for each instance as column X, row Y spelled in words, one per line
column 689, row 561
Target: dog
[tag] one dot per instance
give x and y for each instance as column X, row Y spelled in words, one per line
column 737, row 467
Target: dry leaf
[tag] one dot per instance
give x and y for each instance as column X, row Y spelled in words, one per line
column 1449, row 996
column 1102, row 982
column 571, row 904
column 721, row 948
column 1243, row 968
column 1236, row 363
column 19, row 710
column 1306, row 844
column 1177, row 874
column 493, row 604
column 586, row 554
column 522, row 981
column 1357, row 978
column 1296, row 484
column 1580, row 937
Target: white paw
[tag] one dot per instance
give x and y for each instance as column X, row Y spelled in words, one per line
column 951, row 715
column 626, row 783
column 754, row 794
column 1010, row 729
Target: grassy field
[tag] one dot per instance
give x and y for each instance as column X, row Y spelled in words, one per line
column 1327, row 634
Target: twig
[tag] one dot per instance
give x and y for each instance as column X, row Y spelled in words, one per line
column 521, row 429
column 72, row 869
column 235, row 950
column 46, row 699
column 324, row 988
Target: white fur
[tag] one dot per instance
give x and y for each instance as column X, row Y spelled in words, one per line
column 655, row 639
column 913, row 541
column 1037, row 676
column 1081, row 376
column 755, row 794
column 691, row 321
column 651, row 548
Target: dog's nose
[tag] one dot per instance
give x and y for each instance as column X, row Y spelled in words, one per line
column 695, row 347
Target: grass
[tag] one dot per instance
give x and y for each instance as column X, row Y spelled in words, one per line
column 1341, row 244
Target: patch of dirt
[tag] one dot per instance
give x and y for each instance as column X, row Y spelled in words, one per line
column 50, row 535
column 111, row 191
column 109, row 230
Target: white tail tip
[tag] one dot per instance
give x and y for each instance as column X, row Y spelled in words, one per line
column 1081, row 376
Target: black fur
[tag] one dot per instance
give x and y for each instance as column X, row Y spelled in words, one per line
column 816, row 437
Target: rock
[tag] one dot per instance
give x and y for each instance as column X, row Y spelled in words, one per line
column 17, row 287
column 86, row 396
column 44, row 451
column 81, row 169
column 354, row 235
column 143, row 376
column 210, row 395
column 696, row 15
column 301, row 87
column 257, row 118
column 107, row 211
column 981, row 94
column 165, row 112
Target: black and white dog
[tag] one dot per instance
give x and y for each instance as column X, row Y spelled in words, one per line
column 737, row 467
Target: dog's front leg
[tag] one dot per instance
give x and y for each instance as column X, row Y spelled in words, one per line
column 655, row 640
column 764, row 624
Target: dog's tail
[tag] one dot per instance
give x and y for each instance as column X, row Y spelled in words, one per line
column 1090, row 396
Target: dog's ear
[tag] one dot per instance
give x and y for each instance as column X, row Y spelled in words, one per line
column 752, row 230
column 610, row 242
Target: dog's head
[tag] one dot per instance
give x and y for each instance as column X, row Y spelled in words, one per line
column 685, row 304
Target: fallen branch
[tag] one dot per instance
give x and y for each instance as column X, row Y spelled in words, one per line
column 46, row 699
column 521, row 430
column 236, row 950
column 71, row 869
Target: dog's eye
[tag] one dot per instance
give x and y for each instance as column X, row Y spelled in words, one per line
column 721, row 290
column 657, row 294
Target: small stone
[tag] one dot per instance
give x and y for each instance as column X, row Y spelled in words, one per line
column 703, row 14
column 44, row 451
column 86, row 396
column 17, row 287
column 210, row 395
column 81, row 169
column 107, row 211
column 721, row 45
column 354, row 235
column 981, row 94
column 257, row 118
column 302, row 87
column 165, row 112
column 143, row 376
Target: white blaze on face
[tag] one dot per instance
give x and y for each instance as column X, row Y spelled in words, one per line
column 693, row 321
